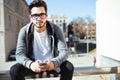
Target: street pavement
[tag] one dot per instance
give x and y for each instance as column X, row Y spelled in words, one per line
column 78, row 60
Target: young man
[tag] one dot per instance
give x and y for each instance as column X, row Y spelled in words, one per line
column 41, row 47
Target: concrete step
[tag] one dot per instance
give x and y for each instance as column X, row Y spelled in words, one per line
column 86, row 77
column 90, row 77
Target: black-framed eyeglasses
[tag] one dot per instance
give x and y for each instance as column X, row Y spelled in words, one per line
column 37, row 16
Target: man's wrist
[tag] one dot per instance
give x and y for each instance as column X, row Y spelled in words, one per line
column 30, row 65
column 48, row 67
column 53, row 64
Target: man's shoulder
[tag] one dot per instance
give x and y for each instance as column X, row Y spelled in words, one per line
column 52, row 24
column 27, row 26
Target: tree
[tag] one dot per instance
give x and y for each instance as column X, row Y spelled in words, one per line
column 77, row 27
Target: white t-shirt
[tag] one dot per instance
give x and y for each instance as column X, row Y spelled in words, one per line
column 42, row 46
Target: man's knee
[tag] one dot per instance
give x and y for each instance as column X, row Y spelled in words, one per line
column 15, row 69
column 68, row 65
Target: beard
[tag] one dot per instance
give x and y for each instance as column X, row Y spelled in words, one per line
column 40, row 25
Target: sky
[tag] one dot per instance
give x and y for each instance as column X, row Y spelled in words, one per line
column 71, row 8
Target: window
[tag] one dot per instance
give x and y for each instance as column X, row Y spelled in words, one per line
column 56, row 21
column 9, row 19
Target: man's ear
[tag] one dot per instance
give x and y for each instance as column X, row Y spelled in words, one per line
column 29, row 16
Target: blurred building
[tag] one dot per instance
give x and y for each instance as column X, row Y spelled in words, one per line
column 13, row 15
column 60, row 20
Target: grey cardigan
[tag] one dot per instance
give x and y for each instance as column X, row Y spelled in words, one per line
column 24, row 45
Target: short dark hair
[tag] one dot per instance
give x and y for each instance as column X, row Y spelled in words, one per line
column 37, row 3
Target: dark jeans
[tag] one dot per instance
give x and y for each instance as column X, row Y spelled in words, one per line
column 18, row 72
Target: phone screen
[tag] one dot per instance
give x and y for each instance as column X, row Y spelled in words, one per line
column 43, row 63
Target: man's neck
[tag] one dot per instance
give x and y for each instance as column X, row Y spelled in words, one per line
column 41, row 29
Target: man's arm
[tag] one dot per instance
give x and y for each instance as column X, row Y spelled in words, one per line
column 62, row 47
column 21, row 56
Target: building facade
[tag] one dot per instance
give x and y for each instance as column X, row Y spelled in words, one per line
column 13, row 15
column 59, row 20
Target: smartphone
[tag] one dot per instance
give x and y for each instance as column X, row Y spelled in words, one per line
column 43, row 63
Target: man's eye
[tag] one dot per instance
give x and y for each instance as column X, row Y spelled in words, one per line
column 41, row 14
column 36, row 14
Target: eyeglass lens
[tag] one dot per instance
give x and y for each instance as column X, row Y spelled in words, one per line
column 36, row 16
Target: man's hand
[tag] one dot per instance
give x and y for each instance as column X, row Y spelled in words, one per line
column 39, row 66
column 50, row 65
column 36, row 67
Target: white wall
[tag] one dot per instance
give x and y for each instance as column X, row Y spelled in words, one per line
column 108, row 28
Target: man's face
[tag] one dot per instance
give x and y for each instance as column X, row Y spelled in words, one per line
column 38, row 16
